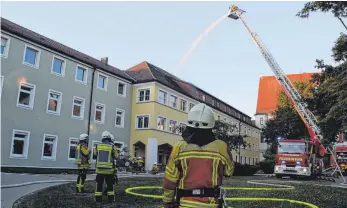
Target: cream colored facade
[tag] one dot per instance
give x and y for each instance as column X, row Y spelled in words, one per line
column 155, row 115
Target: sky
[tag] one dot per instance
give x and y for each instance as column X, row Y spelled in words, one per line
column 226, row 63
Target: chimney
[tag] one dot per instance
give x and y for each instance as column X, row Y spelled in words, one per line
column 104, row 60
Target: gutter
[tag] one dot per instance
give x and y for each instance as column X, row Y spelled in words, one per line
column 91, row 101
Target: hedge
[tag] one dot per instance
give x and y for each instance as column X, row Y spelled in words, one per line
column 245, row 169
column 267, row 166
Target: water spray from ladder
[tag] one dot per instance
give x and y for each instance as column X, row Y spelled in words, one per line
column 199, row 39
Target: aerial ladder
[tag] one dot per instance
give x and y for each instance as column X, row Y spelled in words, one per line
column 299, row 104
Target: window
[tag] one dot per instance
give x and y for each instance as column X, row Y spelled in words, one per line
column 173, row 127
column 31, row 56
column 54, row 102
column 173, row 101
column 102, row 82
column 249, row 161
column 236, row 158
column 142, row 122
column 261, row 121
column 161, row 123
column 203, row 97
column 119, row 146
column 120, row 118
column 253, row 161
column 20, row 144
column 26, row 95
column 49, row 148
column 213, row 102
column 143, row 95
column 191, row 105
column 78, row 108
column 241, row 161
column 5, row 45
column 245, row 160
column 217, row 104
column 72, row 148
column 99, row 116
column 162, row 97
column 81, row 74
column 183, row 105
column 58, row 66
column 121, row 90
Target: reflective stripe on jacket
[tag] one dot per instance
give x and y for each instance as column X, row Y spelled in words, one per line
column 191, row 166
column 106, row 154
column 82, row 156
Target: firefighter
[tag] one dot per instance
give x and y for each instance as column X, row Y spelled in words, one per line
column 155, row 168
column 106, row 154
column 140, row 163
column 184, row 171
column 82, row 160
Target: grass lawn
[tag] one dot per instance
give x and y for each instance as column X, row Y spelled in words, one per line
column 64, row 196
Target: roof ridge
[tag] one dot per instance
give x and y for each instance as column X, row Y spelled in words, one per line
column 150, row 71
column 44, row 41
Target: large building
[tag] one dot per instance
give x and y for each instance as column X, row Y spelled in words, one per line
column 51, row 93
column 267, row 102
column 160, row 105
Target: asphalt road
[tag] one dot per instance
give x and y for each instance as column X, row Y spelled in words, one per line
column 10, row 195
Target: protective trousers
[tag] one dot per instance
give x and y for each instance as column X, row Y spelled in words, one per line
column 81, row 178
column 100, row 179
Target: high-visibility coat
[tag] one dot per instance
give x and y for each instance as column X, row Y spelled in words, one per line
column 155, row 168
column 82, row 156
column 191, row 166
column 139, row 163
column 105, row 154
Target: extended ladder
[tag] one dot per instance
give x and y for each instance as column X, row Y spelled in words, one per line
column 300, row 106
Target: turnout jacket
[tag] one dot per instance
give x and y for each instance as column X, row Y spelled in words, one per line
column 191, row 166
column 82, row 156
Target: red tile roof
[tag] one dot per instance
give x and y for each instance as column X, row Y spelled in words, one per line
column 269, row 89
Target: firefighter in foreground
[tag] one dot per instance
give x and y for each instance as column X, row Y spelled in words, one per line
column 82, row 160
column 106, row 153
column 196, row 166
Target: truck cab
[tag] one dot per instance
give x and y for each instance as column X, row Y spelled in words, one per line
column 295, row 157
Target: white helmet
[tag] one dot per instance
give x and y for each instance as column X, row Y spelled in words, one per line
column 106, row 135
column 139, row 158
column 83, row 137
column 201, row 117
column 154, row 163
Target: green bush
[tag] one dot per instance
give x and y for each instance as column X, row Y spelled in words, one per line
column 267, row 166
column 245, row 169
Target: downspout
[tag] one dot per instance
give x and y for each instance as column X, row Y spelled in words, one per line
column 239, row 144
column 91, row 101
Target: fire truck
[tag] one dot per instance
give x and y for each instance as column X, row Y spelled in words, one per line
column 298, row 157
column 340, row 153
column 313, row 162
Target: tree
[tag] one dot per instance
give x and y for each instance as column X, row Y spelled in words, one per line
column 338, row 8
column 229, row 134
column 287, row 124
column 304, row 88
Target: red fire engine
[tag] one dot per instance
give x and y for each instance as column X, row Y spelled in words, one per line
column 297, row 158
column 340, row 153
